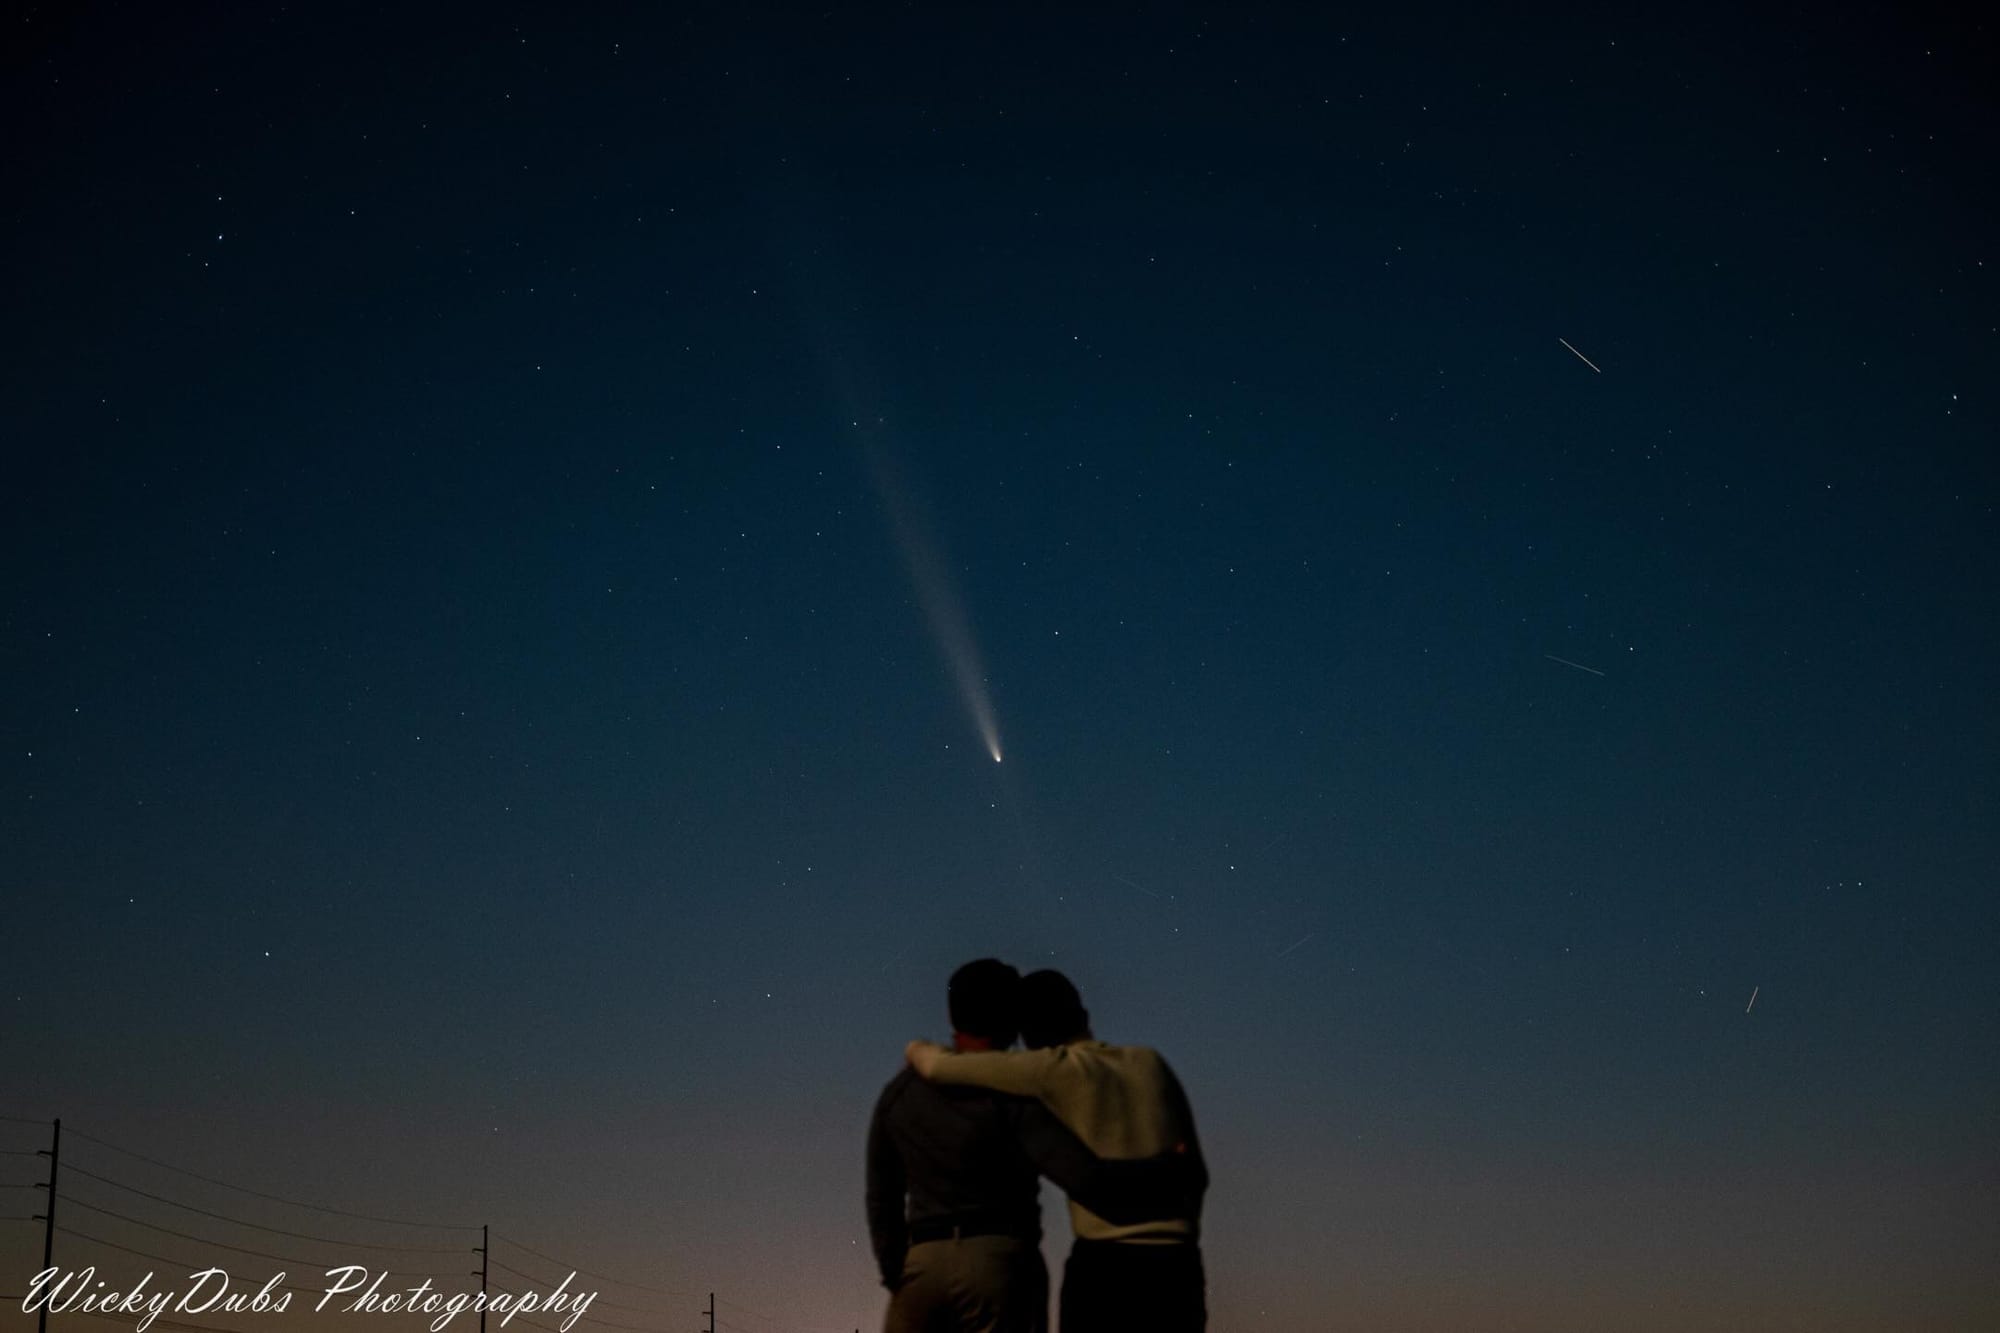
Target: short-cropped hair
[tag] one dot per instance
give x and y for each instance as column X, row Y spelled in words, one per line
column 985, row 1000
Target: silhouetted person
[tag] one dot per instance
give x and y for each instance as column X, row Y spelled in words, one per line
column 954, row 1211
column 1126, row 1273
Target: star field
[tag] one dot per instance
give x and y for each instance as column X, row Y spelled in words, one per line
column 1474, row 537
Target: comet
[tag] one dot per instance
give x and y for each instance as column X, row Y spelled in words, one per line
column 835, row 347
column 1581, row 357
column 939, row 598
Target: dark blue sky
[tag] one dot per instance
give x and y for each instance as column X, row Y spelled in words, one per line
column 474, row 746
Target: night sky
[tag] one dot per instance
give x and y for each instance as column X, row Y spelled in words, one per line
column 1474, row 539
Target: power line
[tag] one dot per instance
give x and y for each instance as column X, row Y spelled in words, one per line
column 720, row 1322
column 581, row 1319
column 157, row 1323
column 204, row 1240
column 529, row 1278
column 744, row 1309
column 797, row 1328
column 170, row 1202
column 584, row 1272
column 740, row 1308
column 259, row 1226
column 535, row 1323
column 274, row 1198
column 69, row 1230
column 23, row 1120
column 612, row 1323
column 533, row 1280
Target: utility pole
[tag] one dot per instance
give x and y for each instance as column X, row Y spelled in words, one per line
column 711, row 1312
column 484, row 1245
column 54, row 1154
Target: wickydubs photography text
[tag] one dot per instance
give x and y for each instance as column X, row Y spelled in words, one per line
column 353, row 1289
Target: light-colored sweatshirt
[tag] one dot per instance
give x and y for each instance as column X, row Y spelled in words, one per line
column 1122, row 1101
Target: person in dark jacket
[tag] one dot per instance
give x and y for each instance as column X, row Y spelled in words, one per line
column 1122, row 1101
column 954, row 1211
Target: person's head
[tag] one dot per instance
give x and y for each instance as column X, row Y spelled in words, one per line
column 1052, row 1013
column 985, row 999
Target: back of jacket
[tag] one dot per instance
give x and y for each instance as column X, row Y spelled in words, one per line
column 956, row 1154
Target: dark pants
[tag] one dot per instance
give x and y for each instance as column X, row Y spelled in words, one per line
column 1112, row 1287
column 981, row 1284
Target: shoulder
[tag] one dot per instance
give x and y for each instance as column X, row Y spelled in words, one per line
column 1136, row 1056
column 895, row 1089
column 1141, row 1062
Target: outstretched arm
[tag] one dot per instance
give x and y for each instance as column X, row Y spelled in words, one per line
column 1022, row 1073
column 1122, row 1192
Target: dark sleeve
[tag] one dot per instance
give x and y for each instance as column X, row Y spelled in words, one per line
column 888, row 1232
column 1122, row 1192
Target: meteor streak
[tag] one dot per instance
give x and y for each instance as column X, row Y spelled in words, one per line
column 1140, row 887
column 1580, row 356
column 1578, row 665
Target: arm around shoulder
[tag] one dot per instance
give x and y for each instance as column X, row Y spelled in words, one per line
column 1022, row 1073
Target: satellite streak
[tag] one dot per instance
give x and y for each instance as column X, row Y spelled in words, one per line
column 1295, row 944
column 1753, row 999
column 1578, row 665
column 1580, row 356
